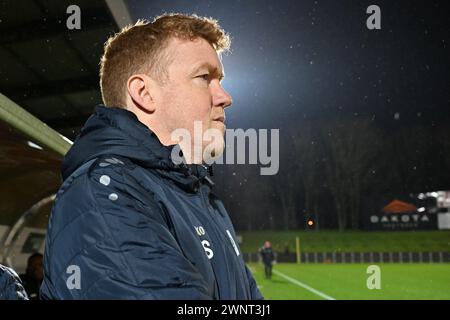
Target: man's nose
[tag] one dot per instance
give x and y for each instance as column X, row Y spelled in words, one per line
column 221, row 98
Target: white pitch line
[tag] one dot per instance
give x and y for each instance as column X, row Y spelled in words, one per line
column 305, row 286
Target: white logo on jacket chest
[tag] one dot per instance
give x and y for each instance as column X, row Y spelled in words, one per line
column 205, row 243
column 206, row 246
column 200, row 231
column 232, row 242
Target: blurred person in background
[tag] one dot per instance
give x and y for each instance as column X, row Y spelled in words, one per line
column 268, row 258
column 34, row 275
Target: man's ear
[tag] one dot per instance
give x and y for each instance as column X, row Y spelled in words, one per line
column 140, row 91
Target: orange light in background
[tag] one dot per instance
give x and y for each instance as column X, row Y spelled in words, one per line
column 310, row 222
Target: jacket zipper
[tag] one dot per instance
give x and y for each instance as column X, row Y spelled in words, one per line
column 216, row 226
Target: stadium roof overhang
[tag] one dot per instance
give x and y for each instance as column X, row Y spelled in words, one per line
column 48, row 79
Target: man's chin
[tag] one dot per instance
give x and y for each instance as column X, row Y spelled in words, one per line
column 219, row 125
column 213, row 151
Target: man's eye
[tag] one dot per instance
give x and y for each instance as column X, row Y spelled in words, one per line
column 204, row 76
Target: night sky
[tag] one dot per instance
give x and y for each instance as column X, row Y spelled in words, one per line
column 303, row 63
column 294, row 60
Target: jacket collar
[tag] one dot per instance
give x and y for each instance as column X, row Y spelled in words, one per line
column 117, row 131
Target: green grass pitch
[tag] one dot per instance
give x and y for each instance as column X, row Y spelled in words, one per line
column 349, row 281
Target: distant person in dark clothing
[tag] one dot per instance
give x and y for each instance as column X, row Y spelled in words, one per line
column 286, row 248
column 34, row 275
column 268, row 258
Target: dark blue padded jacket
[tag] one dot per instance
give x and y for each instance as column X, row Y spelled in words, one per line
column 128, row 223
column 11, row 287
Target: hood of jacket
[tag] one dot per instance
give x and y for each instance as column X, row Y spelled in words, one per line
column 116, row 131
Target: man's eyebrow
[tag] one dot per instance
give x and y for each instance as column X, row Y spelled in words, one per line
column 215, row 70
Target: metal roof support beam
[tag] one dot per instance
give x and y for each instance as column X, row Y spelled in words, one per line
column 25, row 122
column 119, row 11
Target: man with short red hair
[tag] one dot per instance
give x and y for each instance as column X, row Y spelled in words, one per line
column 130, row 222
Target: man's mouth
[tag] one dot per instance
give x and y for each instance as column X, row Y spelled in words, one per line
column 221, row 119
